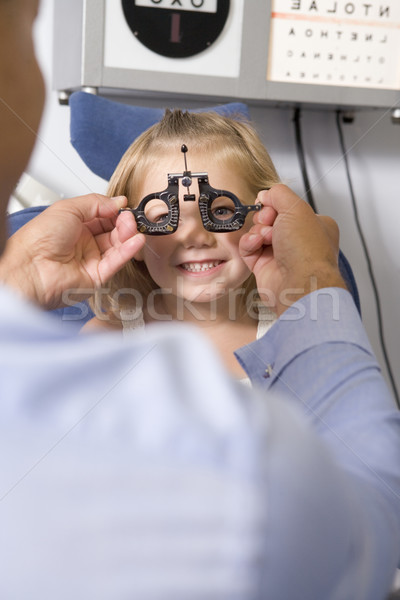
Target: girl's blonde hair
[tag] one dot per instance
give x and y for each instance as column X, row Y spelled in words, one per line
column 232, row 142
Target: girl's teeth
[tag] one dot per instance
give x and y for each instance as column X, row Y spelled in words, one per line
column 197, row 267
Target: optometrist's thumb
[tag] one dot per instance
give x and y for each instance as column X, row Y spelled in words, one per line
column 92, row 206
column 297, row 234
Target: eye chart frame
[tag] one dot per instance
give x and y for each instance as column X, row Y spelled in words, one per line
column 326, row 53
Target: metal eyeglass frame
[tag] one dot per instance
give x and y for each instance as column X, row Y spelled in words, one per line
column 170, row 196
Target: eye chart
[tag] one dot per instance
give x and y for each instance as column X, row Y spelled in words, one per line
column 335, row 42
column 327, row 53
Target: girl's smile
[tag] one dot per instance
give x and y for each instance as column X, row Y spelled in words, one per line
column 201, row 268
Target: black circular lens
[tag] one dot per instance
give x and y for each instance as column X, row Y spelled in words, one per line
column 156, row 211
column 222, row 209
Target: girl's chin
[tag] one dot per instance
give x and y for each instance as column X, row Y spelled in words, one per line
column 201, row 296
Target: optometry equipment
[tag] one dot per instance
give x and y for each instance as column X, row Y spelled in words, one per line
column 221, row 211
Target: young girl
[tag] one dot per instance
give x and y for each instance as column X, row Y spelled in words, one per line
column 193, row 275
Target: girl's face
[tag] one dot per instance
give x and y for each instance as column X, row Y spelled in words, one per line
column 193, row 263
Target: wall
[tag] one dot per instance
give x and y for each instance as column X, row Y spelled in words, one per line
column 373, row 144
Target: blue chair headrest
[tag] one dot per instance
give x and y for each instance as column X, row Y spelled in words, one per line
column 102, row 129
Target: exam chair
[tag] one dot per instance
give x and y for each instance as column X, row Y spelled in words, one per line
column 101, row 131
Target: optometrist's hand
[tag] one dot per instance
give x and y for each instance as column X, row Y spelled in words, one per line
column 290, row 249
column 75, row 244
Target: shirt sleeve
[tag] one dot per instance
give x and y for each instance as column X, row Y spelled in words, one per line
column 317, row 357
column 139, row 469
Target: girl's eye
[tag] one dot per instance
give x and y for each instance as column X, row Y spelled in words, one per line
column 222, row 211
column 223, row 208
column 156, row 211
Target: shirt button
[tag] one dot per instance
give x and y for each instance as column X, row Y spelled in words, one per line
column 268, row 371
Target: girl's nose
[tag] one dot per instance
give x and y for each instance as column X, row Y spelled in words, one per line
column 191, row 232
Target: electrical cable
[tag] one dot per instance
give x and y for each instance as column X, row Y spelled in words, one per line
column 302, row 159
column 367, row 257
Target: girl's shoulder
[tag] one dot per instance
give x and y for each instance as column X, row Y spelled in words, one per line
column 97, row 324
column 131, row 320
column 266, row 318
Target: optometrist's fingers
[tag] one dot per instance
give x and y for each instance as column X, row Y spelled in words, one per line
column 126, row 225
column 258, row 236
column 93, row 206
column 267, row 214
column 74, row 243
column 64, row 219
column 292, row 247
column 124, row 237
column 331, row 228
column 118, row 253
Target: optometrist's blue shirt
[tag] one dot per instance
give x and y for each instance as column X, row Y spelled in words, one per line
column 139, row 469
